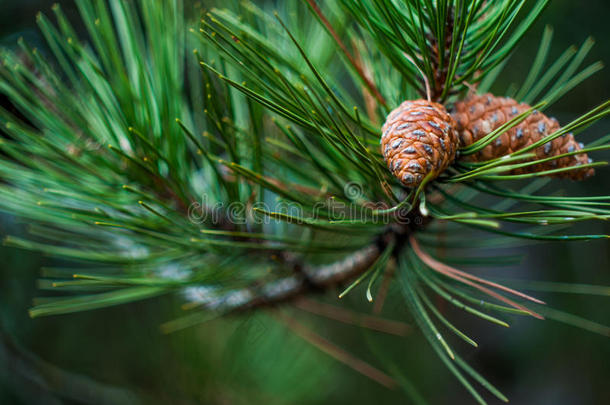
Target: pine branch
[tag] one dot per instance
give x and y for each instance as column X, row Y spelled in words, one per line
column 304, row 279
column 123, row 173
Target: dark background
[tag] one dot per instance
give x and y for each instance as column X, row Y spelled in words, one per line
column 119, row 355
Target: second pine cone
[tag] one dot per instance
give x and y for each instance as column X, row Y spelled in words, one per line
column 479, row 115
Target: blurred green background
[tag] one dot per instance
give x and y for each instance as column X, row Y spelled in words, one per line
column 119, row 355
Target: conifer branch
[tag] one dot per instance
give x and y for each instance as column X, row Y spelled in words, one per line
column 150, row 183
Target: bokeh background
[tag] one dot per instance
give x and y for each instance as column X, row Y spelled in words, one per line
column 119, row 355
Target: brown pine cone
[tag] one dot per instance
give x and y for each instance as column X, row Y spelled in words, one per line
column 479, row 115
column 418, row 137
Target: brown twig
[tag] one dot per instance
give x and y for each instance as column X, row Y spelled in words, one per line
column 302, row 280
column 370, row 102
column 344, row 269
column 337, row 353
column 369, row 83
column 353, row 318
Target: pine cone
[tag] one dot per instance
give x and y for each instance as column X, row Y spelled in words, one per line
column 479, row 115
column 418, row 137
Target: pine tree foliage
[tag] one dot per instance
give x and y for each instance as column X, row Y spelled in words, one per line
column 235, row 162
